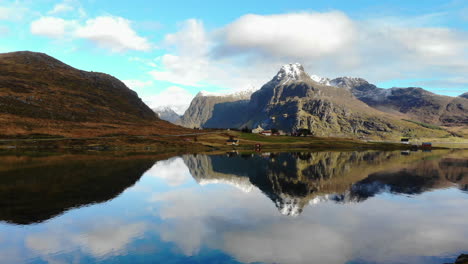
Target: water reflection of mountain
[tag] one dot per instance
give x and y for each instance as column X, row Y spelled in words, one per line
column 36, row 189
column 293, row 180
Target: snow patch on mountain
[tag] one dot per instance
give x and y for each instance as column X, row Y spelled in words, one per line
column 321, row 80
column 236, row 94
column 240, row 183
column 289, row 206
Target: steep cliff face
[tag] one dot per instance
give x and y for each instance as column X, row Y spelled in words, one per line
column 413, row 102
column 216, row 111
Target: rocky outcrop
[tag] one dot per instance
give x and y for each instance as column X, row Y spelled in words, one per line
column 216, row 111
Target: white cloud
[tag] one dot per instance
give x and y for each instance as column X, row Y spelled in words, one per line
column 52, row 27
column 114, row 33
column 191, row 63
column 173, row 171
column 63, row 7
column 13, row 12
column 291, row 35
column 247, row 52
column 98, row 240
column 177, row 98
column 67, row 6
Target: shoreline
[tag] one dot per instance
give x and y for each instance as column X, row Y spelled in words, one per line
column 197, row 142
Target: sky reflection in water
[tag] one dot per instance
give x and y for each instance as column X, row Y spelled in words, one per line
column 327, row 207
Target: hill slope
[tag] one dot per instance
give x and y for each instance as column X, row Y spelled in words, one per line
column 39, row 94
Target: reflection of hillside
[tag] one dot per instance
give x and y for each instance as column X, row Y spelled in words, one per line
column 293, row 180
column 36, row 189
column 424, row 176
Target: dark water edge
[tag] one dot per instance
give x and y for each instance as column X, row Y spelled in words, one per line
column 54, row 207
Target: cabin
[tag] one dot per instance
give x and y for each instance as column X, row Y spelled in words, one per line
column 405, row 141
column 266, row 133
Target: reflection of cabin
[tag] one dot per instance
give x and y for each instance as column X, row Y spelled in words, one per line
column 426, row 145
column 404, row 140
column 232, row 142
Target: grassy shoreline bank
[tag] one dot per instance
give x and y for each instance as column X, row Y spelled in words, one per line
column 196, row 142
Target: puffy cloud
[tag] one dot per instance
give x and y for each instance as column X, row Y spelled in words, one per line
column 52, row 27
column 177, row 98
column 114, row 33
column 173, row 171
column 291, row 35
column 249, row 51
column 191, row 63
column 250, row 230
column 98, row 240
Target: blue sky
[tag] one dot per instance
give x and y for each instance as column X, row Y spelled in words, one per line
column 168, row 51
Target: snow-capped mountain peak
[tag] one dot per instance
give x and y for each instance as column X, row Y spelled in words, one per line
column 292, row 71
column 348, row 82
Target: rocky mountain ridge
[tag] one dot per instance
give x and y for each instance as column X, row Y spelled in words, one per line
column 343, row 106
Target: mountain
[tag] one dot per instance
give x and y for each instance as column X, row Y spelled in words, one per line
column 292, row 100
column 413, row 103
column 209, row 110
column 42, row 95
column 465, row 95
column 344, row 106
column 166, row 113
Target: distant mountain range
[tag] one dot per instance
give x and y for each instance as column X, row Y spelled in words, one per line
column 168, row 114
column 343, row 106
column 42, row 95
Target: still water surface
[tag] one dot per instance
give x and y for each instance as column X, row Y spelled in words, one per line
column 319, row 207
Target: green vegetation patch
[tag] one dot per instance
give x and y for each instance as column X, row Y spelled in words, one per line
column 430, row 126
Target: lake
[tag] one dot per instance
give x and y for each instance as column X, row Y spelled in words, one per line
column 298, row 207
